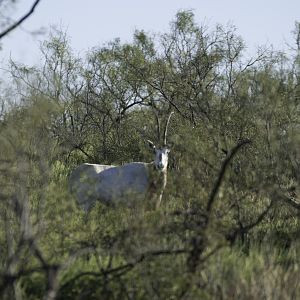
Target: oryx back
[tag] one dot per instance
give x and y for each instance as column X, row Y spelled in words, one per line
column 83, row 181
column 109, row 184
column 123, row 183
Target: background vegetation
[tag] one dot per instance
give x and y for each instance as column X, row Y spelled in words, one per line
column 228, row 227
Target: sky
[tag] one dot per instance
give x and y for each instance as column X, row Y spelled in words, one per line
column 91, row 23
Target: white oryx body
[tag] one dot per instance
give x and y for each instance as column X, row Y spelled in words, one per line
column 114, row 184
column 110, row 184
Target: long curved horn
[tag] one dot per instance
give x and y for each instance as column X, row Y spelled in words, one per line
column 158, row 126
column 166, row 128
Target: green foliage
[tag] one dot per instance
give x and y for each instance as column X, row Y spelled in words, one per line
column 228, row 226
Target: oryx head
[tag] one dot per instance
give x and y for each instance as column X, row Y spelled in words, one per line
column 161, row 152
column 161, row 156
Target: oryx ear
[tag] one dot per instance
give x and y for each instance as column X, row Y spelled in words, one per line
column 151, row 145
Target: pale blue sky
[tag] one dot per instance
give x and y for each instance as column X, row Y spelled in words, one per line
column 90, row 23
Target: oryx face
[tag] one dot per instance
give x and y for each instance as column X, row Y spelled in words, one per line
column 161, row 158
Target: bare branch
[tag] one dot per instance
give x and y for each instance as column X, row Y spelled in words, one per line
column 20, row 21
column 245, row 229
column 291, row 201
column 120, row 270
column 218, row 182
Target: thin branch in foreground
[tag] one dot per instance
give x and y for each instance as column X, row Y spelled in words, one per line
column 221, row 174
column 124, row 268
column 20, row 21
column 291, row 201
column 232, row 236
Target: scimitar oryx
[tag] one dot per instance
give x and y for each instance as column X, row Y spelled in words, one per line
column 115, row 184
